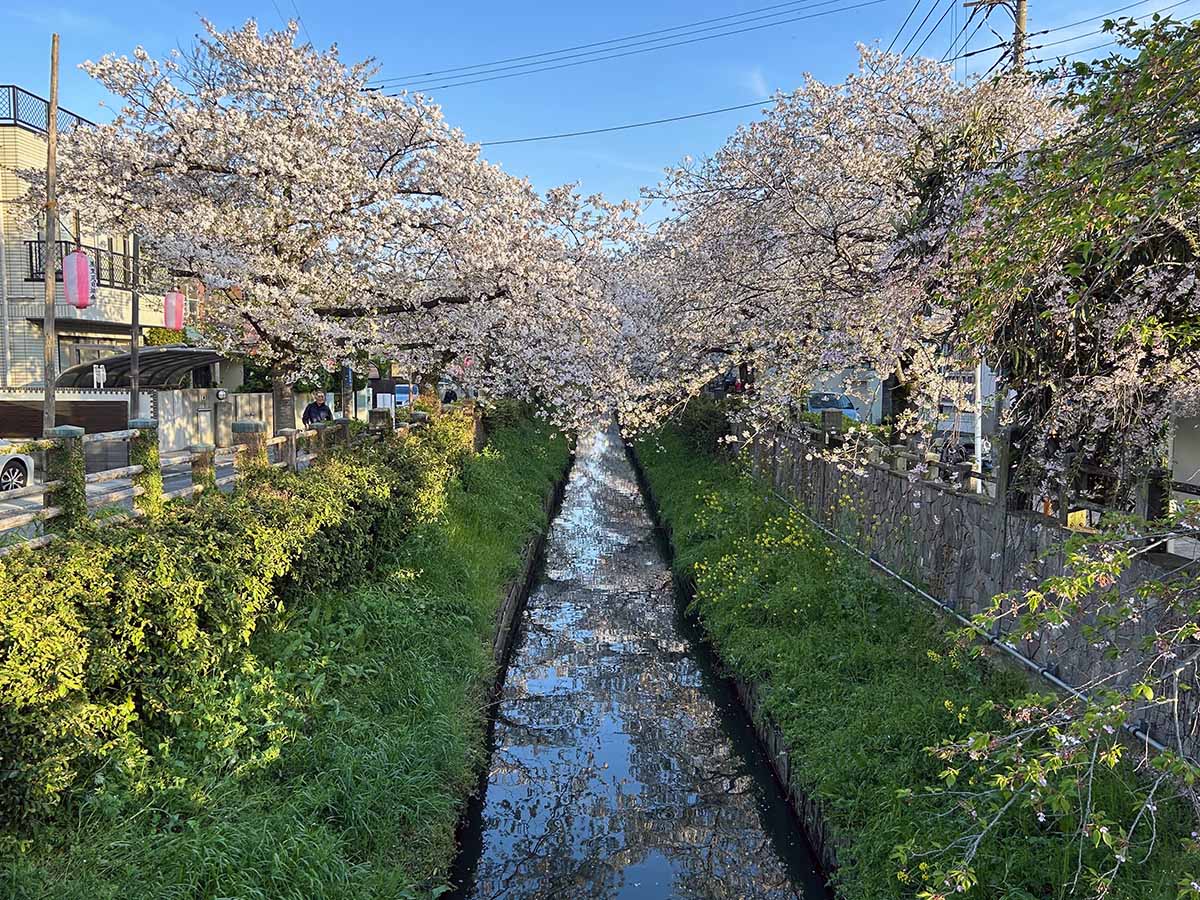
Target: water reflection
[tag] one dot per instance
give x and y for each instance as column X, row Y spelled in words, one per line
column 620, row 769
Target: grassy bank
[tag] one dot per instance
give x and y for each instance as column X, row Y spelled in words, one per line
column 328, row 757
column 861, row 681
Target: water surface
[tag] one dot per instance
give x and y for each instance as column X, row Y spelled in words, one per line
column 622, row 767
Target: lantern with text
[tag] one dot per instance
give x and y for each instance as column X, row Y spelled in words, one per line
column 77, row 279
column 173, row 306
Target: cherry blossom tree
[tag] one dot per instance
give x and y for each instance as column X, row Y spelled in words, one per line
column 333, row 223
column 813, row 241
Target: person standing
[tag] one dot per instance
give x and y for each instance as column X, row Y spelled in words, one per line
column 316, row 411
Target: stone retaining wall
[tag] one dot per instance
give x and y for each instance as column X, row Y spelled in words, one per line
column 961, row 547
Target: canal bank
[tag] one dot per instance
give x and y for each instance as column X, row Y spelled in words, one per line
column 621, row 764
column 808, row 810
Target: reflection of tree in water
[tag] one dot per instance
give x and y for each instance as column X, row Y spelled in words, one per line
column 612, row 775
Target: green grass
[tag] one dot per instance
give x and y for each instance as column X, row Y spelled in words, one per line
column 861, row 680
column 379, row 689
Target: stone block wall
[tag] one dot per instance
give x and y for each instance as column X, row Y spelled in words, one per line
column 963, row 548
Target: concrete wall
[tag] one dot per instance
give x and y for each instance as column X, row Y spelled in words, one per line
column 185, row 417
column 961, row 547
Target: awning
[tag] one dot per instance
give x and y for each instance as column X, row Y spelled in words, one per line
column 158, row 367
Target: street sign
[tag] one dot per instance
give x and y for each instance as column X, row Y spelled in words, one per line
column 99, row 376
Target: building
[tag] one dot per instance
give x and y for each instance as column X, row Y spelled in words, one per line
column 83, row 336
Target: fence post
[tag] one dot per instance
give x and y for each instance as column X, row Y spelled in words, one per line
column 342, row 430
column 143, row 451
column 253, row 435
column 291, row 449
column 204, row 476
column 223, row 423
column 380, row 417
column 65, row 464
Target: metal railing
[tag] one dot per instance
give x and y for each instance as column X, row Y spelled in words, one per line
column 19, row 107
column 113, row 268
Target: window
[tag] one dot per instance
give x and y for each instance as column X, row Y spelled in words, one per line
column 74, row 350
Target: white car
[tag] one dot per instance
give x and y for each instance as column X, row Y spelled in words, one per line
column 16, row 469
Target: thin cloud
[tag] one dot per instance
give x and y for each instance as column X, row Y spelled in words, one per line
column 754, row 81
column 63, row 20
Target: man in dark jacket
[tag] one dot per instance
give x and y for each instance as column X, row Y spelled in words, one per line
column 316, row 411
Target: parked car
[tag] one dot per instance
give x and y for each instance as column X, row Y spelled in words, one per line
column 16, row 469
column 820, row 401
column 405, row 394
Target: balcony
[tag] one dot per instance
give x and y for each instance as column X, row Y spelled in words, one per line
column 113, row 268
column 25, row 110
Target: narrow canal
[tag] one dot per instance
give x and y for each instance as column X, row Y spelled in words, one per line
column 621, row 766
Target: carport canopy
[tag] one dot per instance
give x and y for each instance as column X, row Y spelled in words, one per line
column 158, row 367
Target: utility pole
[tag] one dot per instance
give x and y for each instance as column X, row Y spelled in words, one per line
column 1019, row 33
column 1019, row 11
column 134, row 328
column 50, row 255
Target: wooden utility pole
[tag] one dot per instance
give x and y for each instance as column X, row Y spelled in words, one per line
column 1019, row 33
column 1019, row 11
column 50, row 255
column 134, row 328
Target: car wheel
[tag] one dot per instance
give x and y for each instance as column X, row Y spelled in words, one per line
column 13, row 476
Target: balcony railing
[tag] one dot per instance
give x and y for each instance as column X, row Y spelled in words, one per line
column 113, row 268
column 19, row 107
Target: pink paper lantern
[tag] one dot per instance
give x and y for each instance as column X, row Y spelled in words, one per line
column 77, row 279
column 173, row 307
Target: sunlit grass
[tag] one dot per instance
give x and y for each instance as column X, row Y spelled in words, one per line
column 363, row 799
column 861, row 680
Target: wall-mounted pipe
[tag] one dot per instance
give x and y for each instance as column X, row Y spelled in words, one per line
column 5, row 333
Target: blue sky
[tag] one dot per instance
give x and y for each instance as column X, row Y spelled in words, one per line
column 427, row 36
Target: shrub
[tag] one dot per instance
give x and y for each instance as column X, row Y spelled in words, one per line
column 332, row 762
column 703, row 423
column 108, row 638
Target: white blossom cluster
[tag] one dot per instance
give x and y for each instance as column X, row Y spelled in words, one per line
column 330, row 223
column 813, row 243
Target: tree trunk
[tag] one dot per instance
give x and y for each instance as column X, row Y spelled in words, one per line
column 346, row 385
column 283, row 401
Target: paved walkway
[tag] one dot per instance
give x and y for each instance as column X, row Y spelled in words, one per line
column 621, row 768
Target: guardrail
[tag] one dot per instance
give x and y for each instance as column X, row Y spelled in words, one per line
column 66, row 500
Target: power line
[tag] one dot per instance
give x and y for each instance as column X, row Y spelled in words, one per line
column 1111, row 12
column 300, row 19
column 667, row 119
column 650, row 49
column 1075, row 53
column 1086, row 34
column 620, row 40
column 568, row 134
column 932, row 10
column 658, row 42
column 932, row 31
column 761, row 103
column 903, row 25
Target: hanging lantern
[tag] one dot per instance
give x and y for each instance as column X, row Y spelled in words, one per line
column 173, row 306
column 77, row 279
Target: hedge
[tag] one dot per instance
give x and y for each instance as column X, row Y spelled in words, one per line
column 107, row 636
column 361, row 704
column 861, row 680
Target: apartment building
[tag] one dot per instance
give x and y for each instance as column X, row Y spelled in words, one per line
column 83, row 336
